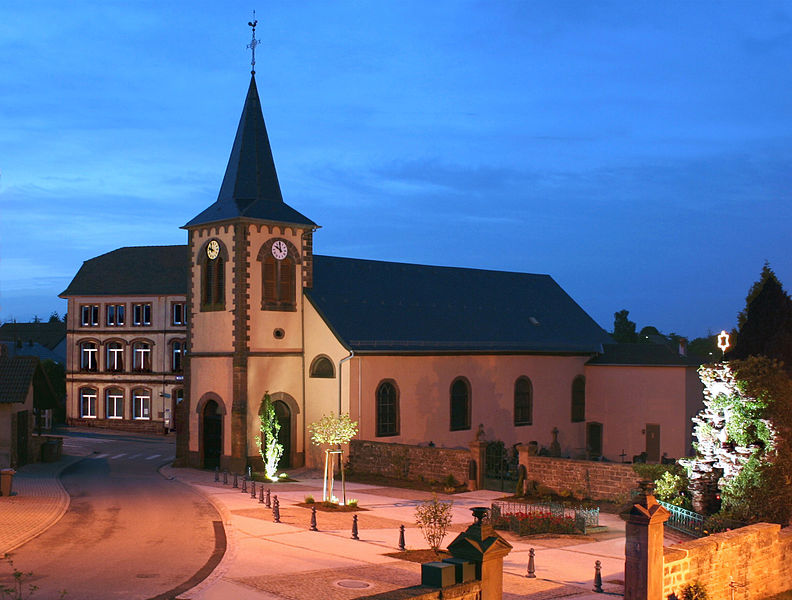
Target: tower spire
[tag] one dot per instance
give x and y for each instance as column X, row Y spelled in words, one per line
column 253, row 43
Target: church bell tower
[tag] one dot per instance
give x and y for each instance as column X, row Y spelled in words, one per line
column 250, row 258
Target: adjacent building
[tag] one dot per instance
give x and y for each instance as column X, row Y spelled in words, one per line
column 126, row 337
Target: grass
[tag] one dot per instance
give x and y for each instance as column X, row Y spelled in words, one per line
column 331, row 507
column 420, row 556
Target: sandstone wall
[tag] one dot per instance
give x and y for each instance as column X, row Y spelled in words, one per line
column 757, row 557
column 590, row 479
column 404, row 461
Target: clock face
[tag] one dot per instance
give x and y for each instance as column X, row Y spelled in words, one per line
column 279, row 250
column 212, row 249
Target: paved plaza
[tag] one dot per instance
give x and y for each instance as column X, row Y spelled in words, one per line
column 271, row 560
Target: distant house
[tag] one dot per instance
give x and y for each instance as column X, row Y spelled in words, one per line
column 43, row 340
column 24, row 392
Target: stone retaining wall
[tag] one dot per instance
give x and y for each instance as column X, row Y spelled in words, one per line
column 757, row 557
column 588, row 479
column 141, row 425
column 460, row 591
column 408, row 462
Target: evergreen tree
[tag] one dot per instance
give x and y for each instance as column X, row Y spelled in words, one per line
column 765, row 325
column 623, row 328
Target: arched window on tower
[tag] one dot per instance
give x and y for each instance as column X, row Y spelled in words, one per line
column 213, row 277
column 578, row 399
column 523, row 401
column 387, row 409
column 279, row 260
column 279, row 284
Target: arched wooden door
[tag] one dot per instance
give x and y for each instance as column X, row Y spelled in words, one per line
column 283, row 415
column 212, row 435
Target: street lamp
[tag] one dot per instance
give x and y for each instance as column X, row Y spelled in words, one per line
column 723, row 342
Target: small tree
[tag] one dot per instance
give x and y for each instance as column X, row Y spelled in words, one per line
column 434, row 517
column 271, row 451
column 334, row 431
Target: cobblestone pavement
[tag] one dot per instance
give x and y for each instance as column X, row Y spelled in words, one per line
column 37, row 502
column 273, row 561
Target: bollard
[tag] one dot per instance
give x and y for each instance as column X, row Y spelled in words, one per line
column 253, row 490
column 268, row 503
column 276, row 510
column 261, row 495
column 244, row 485
column 598, row 577
column 531, row 567
column 401, row 538
column 236, row 485
column 313, row 518
column 225, row 477
column 355, row 535
column 217, row 474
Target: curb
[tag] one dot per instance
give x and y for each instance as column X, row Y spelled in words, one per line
column 231, row 542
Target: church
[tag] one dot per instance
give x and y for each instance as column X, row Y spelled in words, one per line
column 417, row 355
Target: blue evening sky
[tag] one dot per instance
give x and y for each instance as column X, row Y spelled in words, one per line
column 639, row 152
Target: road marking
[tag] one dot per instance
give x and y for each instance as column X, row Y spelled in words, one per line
column 153, row 456
column 134, row 456
column 119, row 455
column 103, row 455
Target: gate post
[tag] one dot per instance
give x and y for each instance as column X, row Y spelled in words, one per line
column 643, row 552
column 478, row 459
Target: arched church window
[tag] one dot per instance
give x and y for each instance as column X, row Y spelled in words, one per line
column 579, row 399
column 387, row 409
column 322, row 367
column 460, row 404
column 523, row 401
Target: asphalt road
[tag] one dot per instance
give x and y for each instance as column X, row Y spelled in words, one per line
column 129, row 532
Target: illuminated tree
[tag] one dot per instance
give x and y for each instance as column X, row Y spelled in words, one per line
column 333, row 431
column 743, row 441
column 271, row 451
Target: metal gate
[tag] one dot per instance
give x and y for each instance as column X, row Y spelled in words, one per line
column 501, row 469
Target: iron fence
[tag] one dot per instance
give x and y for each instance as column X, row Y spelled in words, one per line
column 697, row 525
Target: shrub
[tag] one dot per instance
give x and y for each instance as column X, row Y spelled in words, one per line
column 352, row 502
column 694, row 591
column 450, row 481
column 309, row 500
column 433, row 517
column 671, row 488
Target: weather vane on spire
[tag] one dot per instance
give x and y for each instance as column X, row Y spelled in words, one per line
column 253, row 43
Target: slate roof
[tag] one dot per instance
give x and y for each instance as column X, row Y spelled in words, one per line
column 646, row 355
column 134, row 270
column 16, row 375
column 250, row 187
column 386, row 307
column 46, row 334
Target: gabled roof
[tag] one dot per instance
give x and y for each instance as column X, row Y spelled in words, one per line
column 250, row 187
column 16, row 376
column 135, row 270
column 385, row 307
column 647, row 355
column 46, row 334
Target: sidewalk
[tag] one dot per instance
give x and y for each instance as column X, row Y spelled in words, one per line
column 265, row 560
column 38, row 501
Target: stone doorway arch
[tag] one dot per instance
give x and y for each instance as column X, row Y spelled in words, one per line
column 286, row 411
